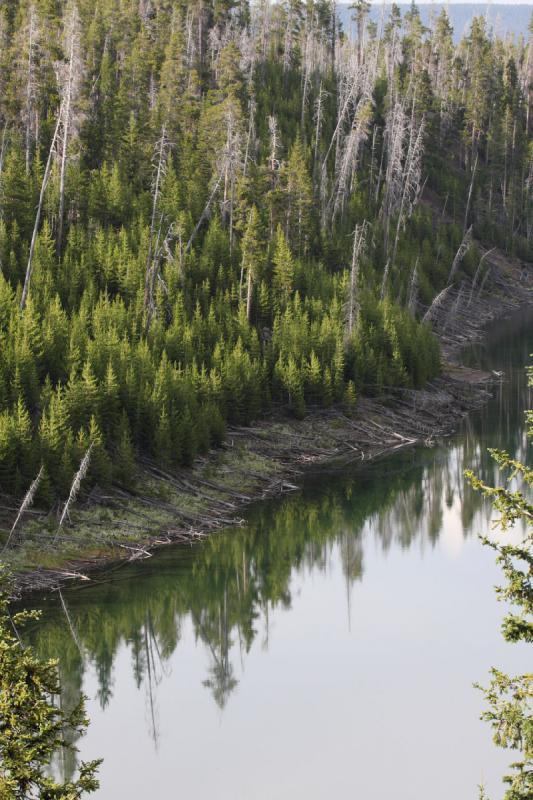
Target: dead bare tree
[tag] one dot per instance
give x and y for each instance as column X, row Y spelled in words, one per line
column 478, row 270
column 470, row 190
column 394, row 142
column 288, row 42
column 70, row 75
column 28, row 113
column 205, row 212
column 412, row 174
column 275, row 144
column 75, row 488
column 230, row 165
column 44, row 184
column 464, row 247
column 349, row 157
column 349, row 85
column 251, row 143
column 261, row 24
column 306, row 67
column 162, row 251
column 404, row 145
column 359, row 243
column 315, row 57
column 161, row 155
column 273, row 162
column 24, row 506
column 318, row 119
column 355, row 83
column 437, row 303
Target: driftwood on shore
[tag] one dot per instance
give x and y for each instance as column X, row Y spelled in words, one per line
column 190, row 504
column 399, row 419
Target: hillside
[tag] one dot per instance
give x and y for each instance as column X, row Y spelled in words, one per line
column 212, row 212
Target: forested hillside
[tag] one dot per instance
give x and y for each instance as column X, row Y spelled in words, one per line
column 210, row 210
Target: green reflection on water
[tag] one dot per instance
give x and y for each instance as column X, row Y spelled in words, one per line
column 228, row 585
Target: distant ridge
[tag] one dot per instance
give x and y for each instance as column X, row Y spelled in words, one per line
column 503, row 19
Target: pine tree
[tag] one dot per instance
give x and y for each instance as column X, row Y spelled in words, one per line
column 510, row 698
column 33, row 726
column 283, row 280
column 253, row 250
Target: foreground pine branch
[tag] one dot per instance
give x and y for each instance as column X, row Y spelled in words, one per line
column 510, row 698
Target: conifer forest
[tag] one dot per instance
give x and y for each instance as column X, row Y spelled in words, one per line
column 255, row 234
column 212, row 210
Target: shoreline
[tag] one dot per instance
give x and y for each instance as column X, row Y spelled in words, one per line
column 265, row 460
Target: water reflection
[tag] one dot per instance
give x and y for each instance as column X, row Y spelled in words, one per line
column 226, row 591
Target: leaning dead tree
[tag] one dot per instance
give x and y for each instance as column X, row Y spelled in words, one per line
column 24, row 506
column 290, row 36
column 349, row 157
column 477, row 273
column 355, row 83
column 205, row 213
column 464, row 247
column 412, row 179
column 162, row 150
column 436, row 305
column 44, row 184
column 470, row 190
column 404, row 143
column 394, row 141
column 315, row 54
column 75, row 487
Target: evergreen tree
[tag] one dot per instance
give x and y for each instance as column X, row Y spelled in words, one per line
column 33, row 727
column 510, row 698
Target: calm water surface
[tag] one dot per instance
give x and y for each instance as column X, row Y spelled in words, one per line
column 327, row 650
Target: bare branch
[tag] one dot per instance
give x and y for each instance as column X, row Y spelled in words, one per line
column 26, row 503
column 74, row 489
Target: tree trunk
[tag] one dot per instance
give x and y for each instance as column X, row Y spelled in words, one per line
column 469, row 199
column 249, row 296
column 44, row 184
column 66, row 126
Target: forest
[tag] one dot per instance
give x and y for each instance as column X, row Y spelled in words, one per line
column 211, row 211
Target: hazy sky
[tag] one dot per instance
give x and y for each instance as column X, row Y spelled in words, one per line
column 458, row 2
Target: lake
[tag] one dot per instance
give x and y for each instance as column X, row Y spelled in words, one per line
column 326, row 650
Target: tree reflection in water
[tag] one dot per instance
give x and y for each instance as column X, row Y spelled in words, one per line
column 226, row 586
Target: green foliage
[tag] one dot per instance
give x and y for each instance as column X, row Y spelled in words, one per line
column 203, row 270
column 32, row 727
column 510, row 699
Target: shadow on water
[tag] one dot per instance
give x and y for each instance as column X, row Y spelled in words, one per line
column 220, row 596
